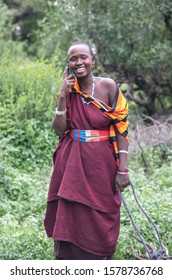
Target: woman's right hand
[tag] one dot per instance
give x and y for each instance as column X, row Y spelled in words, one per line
column 68, row 82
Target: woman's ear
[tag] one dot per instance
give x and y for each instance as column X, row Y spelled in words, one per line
column 93, row 62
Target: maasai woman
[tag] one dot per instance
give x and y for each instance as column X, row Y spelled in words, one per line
column 90, row 162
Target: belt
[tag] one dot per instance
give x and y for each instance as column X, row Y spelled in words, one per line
column 89, row 135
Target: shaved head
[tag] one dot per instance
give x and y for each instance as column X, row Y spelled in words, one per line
column 81, row 43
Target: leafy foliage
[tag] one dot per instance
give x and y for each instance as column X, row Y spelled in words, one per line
column 28, row 97
column 153, row 190
column 21, row 216
column 132, row 39
column 5, row 22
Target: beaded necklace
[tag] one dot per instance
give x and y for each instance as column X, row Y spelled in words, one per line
column 92, row 92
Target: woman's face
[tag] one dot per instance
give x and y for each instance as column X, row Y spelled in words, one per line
column 80, row 60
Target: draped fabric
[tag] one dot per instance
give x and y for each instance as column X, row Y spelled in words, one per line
column 118, row 113
column 83, row 207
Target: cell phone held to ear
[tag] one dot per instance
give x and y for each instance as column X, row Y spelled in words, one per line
column 69, row 71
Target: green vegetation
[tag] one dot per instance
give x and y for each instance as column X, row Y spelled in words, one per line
column 32, row 56
column 27, row 143
column 153, row 190
column 28, row 94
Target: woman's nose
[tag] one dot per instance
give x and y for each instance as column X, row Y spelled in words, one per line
column 79, row 61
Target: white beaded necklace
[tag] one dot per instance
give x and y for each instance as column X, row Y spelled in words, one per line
column 92, row 92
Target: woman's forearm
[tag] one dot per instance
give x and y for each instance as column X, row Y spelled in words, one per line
column 60, row 120
column 122, row 145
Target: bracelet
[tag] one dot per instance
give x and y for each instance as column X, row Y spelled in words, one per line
column 122, row 173
column 123, row 151
column 124, row 170
column 60, row 113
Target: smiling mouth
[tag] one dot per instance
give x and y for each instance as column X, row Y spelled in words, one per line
column 80, row 70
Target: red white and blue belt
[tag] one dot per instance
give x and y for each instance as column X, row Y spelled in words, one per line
column 89, row 135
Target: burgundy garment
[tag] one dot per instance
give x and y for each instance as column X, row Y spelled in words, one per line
column 82, row 183
column 67, row 251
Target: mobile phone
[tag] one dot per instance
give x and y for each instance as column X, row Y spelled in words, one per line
column 69, row 71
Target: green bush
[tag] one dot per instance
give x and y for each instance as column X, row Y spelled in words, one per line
column 28, row 90
column 26, row 240
column 23, row 203
column 28, row 93
column 25, row 148
column 153, row 190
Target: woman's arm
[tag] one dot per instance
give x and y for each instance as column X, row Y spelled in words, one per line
column 60, row 119
column 122, row 144
column 122, row 180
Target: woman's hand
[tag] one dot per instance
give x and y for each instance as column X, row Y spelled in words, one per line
column 68, row 82
column 60, row 120
column 121, row 182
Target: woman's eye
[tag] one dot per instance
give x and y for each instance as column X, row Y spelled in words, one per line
column 83, row 57
column 73, row 59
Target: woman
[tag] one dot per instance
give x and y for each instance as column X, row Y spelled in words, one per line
column 90, row 162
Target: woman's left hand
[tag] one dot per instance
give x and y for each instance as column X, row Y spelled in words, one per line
column 121, row 182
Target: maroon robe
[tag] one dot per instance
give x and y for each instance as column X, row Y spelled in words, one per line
column 83, row 207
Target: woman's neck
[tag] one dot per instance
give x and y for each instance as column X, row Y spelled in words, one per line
column 85, row 83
